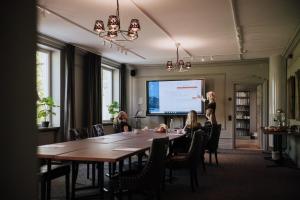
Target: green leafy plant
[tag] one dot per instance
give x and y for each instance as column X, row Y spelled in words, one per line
column 45, row 106
column 113, row 108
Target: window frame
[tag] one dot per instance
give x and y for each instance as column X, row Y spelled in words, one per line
column 113, row 96
column 50, row 75
column 55, row 73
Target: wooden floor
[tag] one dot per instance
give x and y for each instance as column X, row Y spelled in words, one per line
column 247, row 144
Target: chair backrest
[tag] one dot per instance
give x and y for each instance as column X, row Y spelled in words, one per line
column 98, row 130
column 153, row 171
column 79, row 133
column 213, row 143
column 197, row 147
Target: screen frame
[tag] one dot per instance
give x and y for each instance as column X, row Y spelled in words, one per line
column 175, row 114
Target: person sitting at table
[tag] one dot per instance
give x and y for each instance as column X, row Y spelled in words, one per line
column 120, row 123
column 191, row 123
column 182, row 144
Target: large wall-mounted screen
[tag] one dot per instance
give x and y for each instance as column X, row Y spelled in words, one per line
column 176, row 97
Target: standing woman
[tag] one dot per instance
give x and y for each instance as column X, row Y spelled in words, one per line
column 210, row 107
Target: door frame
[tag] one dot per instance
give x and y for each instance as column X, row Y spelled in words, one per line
column 262, row 111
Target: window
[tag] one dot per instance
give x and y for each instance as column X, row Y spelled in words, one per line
column 48, row 79
column 43, row 73
column 110, row 89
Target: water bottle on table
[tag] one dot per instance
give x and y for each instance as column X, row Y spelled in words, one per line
column 171, row 126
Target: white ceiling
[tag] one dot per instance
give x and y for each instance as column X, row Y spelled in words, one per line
column 204, row 28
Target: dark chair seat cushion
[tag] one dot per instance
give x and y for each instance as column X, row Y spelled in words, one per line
column 178, row 161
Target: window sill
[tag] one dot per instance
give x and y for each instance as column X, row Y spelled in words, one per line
column 46, row 129
column 108, row 123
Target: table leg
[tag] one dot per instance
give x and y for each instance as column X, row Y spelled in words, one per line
column 48, row 185
column 93, row 174
column 74, row 177
column 121, row 164
column 280, row 146
column 100, row 166
column 140, row 160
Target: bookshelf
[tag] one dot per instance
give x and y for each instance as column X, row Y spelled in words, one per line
column 242, row 114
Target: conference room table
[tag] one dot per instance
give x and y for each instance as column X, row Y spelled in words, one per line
column 110, row 148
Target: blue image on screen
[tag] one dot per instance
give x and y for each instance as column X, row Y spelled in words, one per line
column 153, row 100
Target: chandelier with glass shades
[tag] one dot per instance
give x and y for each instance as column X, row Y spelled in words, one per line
column 114, row 28
column 179, row 65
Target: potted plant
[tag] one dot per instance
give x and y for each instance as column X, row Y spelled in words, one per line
column 45, row 106
column 113, row 109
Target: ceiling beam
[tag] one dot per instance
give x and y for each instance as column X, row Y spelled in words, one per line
column 238, row 28
column 88, row 30
column 160, row 27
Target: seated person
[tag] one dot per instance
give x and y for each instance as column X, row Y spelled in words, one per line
column 120, row 122
column 182, row 144
column 191, row 123
column 161, row 129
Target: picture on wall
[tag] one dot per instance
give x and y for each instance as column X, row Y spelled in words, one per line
column 291, row 93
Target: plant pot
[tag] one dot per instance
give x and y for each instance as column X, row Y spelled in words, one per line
column 45, row 124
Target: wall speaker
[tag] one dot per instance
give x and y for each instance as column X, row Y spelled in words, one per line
column 133, row 72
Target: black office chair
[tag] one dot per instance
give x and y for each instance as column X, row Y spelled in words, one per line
column 56, row 171
column 98, row 130
column 213, row 143
column 147, row 180
column 79, row 133
column 190, row 160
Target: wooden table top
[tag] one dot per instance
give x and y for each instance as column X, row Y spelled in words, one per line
column 275, row 131
column 51, row 150
column 108, row 148
column 102, row 152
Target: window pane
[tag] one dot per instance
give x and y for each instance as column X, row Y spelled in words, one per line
column 42, row 77
column 42, row 69
column 107, row 89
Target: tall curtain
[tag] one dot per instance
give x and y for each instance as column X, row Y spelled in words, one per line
column 298, row 99
column 93, row 96
column 69, row 97
column 123, row 98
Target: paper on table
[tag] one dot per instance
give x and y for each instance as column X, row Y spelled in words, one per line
column 126, row 149
column 97, row 138
column 54, row 145
column 175, row 134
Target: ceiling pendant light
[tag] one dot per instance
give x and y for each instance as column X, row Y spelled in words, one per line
column 114, row 28
column 179, row 65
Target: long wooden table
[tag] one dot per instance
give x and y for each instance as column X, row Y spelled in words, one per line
column 109, row 148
